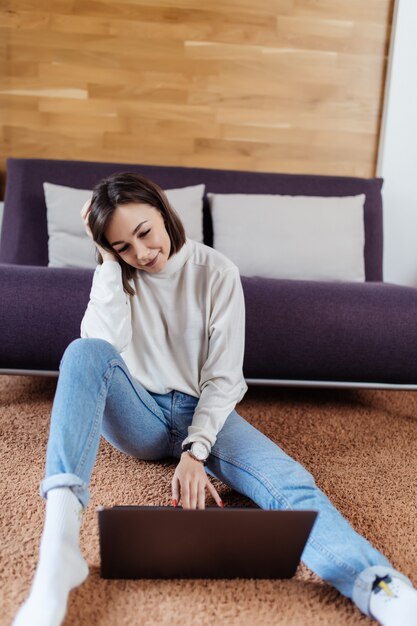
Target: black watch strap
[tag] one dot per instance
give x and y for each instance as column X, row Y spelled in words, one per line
column 187, row 446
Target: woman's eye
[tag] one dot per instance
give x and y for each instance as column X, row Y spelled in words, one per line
column 127, row 245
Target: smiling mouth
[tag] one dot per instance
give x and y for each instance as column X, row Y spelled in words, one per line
column 152, row 262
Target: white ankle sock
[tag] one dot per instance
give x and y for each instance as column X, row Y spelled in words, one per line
column 61, row 566
column 394, row 603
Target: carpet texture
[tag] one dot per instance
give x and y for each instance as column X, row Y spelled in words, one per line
column 359, row 444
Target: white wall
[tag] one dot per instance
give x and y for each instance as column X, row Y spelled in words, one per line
column 397, row 158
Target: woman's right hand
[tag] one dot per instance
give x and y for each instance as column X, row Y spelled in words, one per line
column 85, row 212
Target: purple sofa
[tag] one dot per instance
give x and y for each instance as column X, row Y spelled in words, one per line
column 297, row 332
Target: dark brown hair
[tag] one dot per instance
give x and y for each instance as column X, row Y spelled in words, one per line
column 124, row 188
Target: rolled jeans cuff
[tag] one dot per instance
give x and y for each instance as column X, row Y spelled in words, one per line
column 78, row 486
column 362, row 586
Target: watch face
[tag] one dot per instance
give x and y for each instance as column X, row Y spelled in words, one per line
column 199, row 450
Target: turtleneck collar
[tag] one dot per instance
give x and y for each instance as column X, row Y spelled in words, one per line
column 173, row 265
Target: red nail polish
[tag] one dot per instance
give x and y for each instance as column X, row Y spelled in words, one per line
column 221, row 504
column 174, row 503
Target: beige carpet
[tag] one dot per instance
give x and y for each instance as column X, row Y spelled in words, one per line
column 360, row 445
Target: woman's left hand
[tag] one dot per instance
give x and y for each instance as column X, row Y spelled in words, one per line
column 190, row 482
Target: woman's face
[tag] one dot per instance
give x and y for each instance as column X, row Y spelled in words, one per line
column 137, row 232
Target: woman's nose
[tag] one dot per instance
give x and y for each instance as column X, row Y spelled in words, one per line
column 141, row 252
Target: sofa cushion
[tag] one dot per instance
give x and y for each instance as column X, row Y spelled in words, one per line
column 295, row 330
column 24, row 236
column 321, row 331
column 68, row 243
column 295, row 237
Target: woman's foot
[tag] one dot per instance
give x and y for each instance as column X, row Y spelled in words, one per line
column 393, row 602
column 61, row 566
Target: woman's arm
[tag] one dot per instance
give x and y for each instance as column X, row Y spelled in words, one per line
column 108, row 314
column 221, row 383
column 221, row 378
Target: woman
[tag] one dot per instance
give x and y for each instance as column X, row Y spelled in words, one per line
column 158, row 372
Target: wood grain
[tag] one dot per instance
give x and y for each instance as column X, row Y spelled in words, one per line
column 281, row 86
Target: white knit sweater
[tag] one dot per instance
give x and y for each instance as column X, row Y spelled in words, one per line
column 184, row 330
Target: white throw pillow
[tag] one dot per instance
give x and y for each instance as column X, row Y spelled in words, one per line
column 297, row 237
column 69, row 244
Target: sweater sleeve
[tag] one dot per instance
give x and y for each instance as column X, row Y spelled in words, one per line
column 221, row 383
column 108, row 314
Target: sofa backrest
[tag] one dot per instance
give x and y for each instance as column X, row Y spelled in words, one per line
column 24, row 234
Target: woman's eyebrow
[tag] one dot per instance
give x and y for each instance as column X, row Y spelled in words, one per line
column 134, row 233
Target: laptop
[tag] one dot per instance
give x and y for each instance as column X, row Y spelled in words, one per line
column 172, row 542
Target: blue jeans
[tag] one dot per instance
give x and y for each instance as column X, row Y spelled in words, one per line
column 96, row 395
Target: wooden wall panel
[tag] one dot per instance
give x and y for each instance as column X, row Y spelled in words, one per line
column 281, row 85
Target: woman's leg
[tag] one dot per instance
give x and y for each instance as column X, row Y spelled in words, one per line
column 95, row 395
column 252, row 464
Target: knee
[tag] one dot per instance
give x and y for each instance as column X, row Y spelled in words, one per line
column 88, row 351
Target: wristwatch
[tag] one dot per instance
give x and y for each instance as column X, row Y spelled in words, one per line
column 197, row 450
